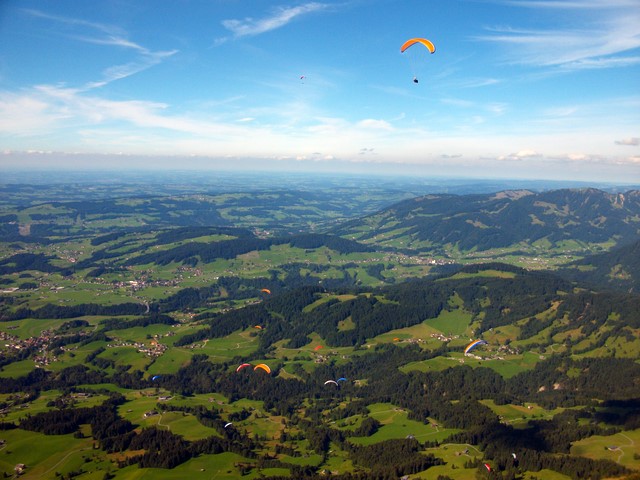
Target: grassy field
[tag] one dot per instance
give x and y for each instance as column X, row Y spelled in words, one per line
column 455, row 455
column 54, row 453
column 185, row 424
column 218, row 467
column 170, row 362
column 485, row 273
column 396, row 424
column 17, row 410
column 435, row 364
column 17, row 369
column 454, row 322
column 238, row 344
column 622, row 448
column 511, row 365
column 519, row 415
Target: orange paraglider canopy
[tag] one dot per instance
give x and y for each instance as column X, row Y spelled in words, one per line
column 266, row 290
column 422, row 41
column 318, row 348
column 263, row 367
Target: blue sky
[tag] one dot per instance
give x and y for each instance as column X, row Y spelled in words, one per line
column 516, row 88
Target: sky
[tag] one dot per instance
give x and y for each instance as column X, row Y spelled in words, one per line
column 532, row 89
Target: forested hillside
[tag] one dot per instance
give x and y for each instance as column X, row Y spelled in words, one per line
column 552, row 219
column 619, row 268
column 333, row 356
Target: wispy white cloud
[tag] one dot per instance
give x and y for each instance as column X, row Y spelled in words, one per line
column 87, row 31
column 494, row 108
column 118, row 72
column 521, row 155
column 597, row 63
column 572, row 4
column 50, row 113
column 609, row 31
column 75, row 22
column 107, row 35
column 594, row 114
column 25, row 115
column 479, row 82
column 279, row 17
column 457, row 102
column 375, row 124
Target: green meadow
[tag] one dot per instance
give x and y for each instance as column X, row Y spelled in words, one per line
column 127, row 355
column 455, row 455
column 396, row 424
column 506, row 366
column 622, row 448
column 186, row 425
column 435, row 364
column 546, row 475
column 17, row 369
column 219, row 467
column 451, row 322
column 54, row 453
column 18, row 410
column 511, row 365
column 238, row 344
column 170, row 361
column 485, row 273
column 519, row 415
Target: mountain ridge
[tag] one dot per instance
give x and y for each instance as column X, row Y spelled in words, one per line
column 503, row 219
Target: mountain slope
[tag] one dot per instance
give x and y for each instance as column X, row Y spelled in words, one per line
column 506, row 219
column 506, row 305
column 619, row 268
